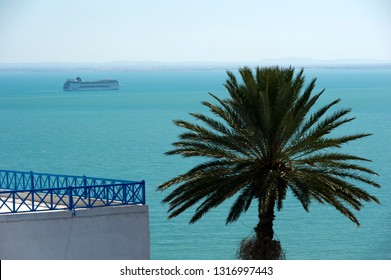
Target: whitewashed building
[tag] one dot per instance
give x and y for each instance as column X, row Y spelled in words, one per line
column 47, row 216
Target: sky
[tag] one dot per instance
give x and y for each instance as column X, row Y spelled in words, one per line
column 202, row 30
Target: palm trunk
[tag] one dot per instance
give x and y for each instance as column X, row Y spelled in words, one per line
column 264, row 229
column 263, row 247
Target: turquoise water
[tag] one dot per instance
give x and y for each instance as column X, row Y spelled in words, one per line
column 124, row 135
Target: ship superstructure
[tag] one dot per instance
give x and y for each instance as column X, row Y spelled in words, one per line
column 78, row 84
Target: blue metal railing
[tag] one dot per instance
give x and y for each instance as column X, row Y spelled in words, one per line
column 29, row 191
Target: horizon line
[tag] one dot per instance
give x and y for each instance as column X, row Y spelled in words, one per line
column 195, row 65
column 268, row 60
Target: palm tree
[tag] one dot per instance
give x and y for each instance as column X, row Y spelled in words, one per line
column 267, row 139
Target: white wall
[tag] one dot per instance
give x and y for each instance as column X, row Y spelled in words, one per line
column 120, row 232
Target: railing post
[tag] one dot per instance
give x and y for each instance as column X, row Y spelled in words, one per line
column 85, row 186
column 106, row 193
column 13, row 202
column 15, row 182
column 143, row 192
column 89, row 196
column 32, row 200
column 32, row 179
column 124, row 200
column 70, row 197
column 51, row 199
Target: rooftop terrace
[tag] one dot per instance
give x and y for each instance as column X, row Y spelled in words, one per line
column 29, row 192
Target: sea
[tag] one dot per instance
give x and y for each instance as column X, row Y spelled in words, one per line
column 124, row 134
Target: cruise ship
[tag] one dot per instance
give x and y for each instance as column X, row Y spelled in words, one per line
column 78, row 84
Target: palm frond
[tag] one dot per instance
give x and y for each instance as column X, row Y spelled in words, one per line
column 241, row 204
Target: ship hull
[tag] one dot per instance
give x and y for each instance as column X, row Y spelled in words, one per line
column 75, row 85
